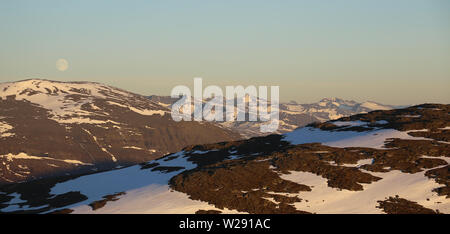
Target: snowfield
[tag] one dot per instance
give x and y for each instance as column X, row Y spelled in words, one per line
column 374, row 106
column 323, row 199
column 146, row 191
column 372, row 139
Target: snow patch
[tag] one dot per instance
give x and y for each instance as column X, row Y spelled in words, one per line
column 323, row 199
column 371, row 139
column 148, row 112
column 4, row 129
column 375, row 106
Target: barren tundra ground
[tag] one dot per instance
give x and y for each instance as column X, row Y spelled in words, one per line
column 387, row 161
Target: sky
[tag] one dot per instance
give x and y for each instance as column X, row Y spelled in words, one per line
column 392, row 52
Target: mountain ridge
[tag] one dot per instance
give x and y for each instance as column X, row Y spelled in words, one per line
column 293, row 115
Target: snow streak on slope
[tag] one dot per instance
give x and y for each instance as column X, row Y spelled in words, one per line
column 5, row 129
column 11, row 157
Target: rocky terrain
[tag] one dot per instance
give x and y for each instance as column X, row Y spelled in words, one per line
column 294, row 115
column 387, row 161
column 50, row 128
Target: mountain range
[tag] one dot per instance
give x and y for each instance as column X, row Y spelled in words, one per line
column 51, row 128
column 293, row 115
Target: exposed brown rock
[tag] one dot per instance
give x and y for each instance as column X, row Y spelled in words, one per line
column 101, row 203
column 442, row 176
column 397, row 205
column 63, row 211
column 208, row 212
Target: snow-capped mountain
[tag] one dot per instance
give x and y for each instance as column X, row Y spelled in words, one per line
column 57, row 128
column 294, row 115
column 390, row 161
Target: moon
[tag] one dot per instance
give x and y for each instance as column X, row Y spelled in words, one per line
column 62, row 64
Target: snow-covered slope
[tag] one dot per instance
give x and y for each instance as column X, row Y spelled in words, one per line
column 65, row 100
column 394, row 161
column 46, row 125
column 132, row 186
column 374, row 106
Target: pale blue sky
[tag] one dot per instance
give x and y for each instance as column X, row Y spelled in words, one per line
column 395, row 52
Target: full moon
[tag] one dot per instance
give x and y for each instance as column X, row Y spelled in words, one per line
column 62, row 64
